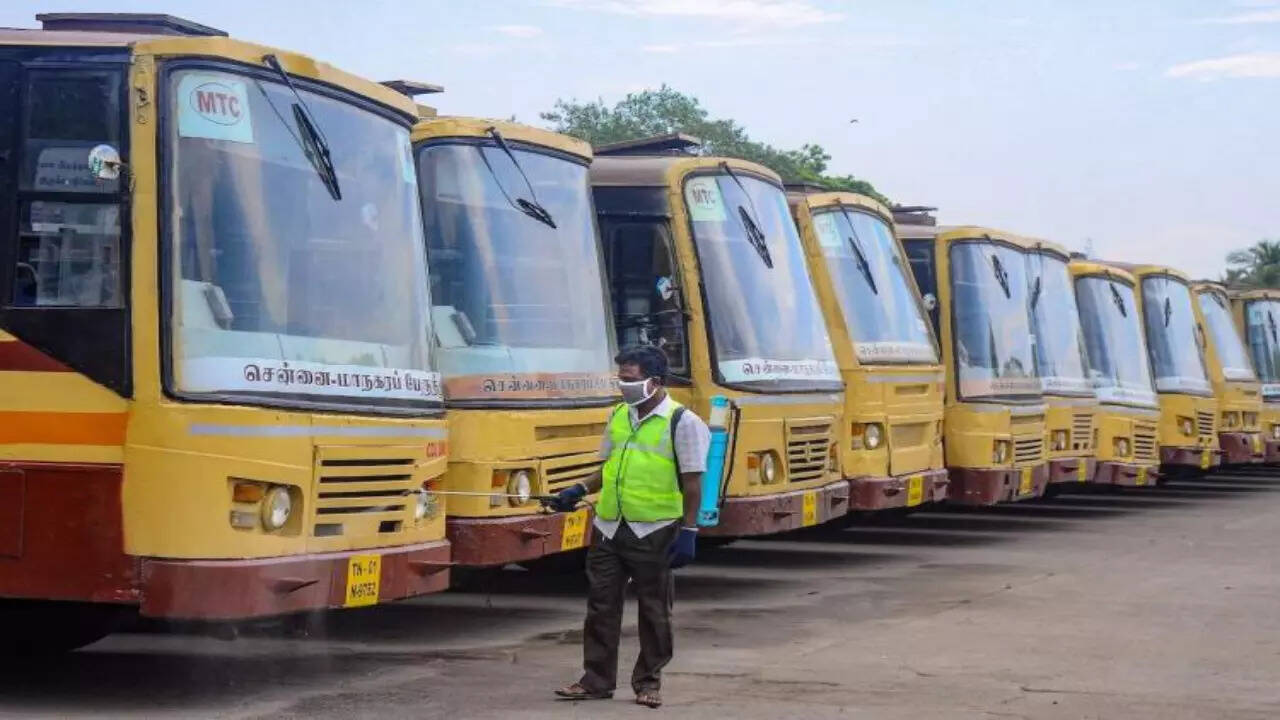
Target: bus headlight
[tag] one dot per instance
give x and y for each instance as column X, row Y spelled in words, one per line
column 519, row 488
column 1275, row 432
column 1121, row 447
column 1059, row 439
column 426, row 504
column 1000, row 452
column 277, row 506
column 872, row 435
column 768, row 468
column 1186, row 426
column 1250, row 420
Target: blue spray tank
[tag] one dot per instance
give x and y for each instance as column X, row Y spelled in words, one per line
column 713, row 478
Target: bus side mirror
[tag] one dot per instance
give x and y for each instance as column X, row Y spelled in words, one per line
column 930, row 301
column 104, row 162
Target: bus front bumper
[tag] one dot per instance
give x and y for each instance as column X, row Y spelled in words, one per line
column 1241, row 448
column 988, row 486
column 790, row 510
column 1190, row 457
column 263, row 587
column 884, row 493
column 480, row 542
column 1272, row 453
column 1072, row 470
column 1125, row 474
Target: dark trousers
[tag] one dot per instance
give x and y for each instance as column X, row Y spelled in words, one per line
column 610, row 563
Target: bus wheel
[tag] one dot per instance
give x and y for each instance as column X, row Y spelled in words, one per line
column 32, row 629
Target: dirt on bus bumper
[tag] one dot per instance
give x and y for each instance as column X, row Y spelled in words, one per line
column 983, row 486
column 1241, row 448
column 479, row 542
column 884, row 493
column 1190, row 457
column 1126, row 474
column 263, row 587
column 791, row 510
column 1072, row 470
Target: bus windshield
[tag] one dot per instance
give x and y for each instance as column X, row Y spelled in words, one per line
column 1055, row 323
column 767, row 330
column 1118, row 364
column 1171, row 336
column 1262, row 330
column 518, row 305
column 992, row 324
column 868, row 272
column 281, row 293
column 1216, row 312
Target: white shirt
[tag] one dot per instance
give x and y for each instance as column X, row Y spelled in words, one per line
column 693, row 440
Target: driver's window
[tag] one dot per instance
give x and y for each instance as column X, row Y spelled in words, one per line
column 647, row 304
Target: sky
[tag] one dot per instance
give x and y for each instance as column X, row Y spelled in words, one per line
column 1143, row 130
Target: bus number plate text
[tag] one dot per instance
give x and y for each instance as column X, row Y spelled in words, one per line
column 809, row 509
column 364, row 578
column 1024, row 483
column 575, row 530
column 915, row 490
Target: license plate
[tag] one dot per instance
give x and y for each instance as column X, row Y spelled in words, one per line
column 1082, row 472
column 1142, row 476
column 809, row 509
column 1257, row 443
column 1024, row 484
column 915, row 490
column 364, row 578
column 575, row 530
column 1204, row 459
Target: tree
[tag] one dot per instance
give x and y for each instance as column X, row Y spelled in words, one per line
column 664, row 111
column 1257, row 266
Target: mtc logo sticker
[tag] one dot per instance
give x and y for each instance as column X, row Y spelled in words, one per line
column 214, row 106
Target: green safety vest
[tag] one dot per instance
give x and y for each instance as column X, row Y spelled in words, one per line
column 641, row 482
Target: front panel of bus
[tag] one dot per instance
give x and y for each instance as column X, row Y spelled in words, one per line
column 1235, row 385
column 1258, row 318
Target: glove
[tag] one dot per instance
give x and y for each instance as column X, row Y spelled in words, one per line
column 682, row 550
column 567, row 499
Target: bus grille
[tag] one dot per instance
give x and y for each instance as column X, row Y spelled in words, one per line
column 1081, row 430
column 564, row 471
column 807, row 451
column 1028, row 450
column 1144, row 442
column 1204, row 424
column 364, row 491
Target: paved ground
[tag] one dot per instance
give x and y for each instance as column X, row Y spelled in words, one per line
column 1147, row 604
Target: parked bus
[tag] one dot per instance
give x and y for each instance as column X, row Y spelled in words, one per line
column 218, row 398
column 522, row 328
column 1127, row 421
column 1235, row 385
column 1256, row 314
column 976, row 281
column 1188, row 410
column 705, row 263
column 1062, row 365
column 891, row 437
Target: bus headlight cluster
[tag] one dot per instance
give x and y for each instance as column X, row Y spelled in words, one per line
column 1121, row 447
column 872, row 435
column 277, row 506
column 425, row 504
column 1000, row 452
column 1250, row 420
column 519, row 488
column 1186, row 426
column 762, row 468
column 1059, row 439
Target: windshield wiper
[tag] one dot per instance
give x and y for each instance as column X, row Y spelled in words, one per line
column 1118, row 299
column 1035, row 293
column 312, row 141
column 530, row 206
column 860, row 257
column 755, row 235
column 1168, row 311
column 1271, row 323
column 1002, row 276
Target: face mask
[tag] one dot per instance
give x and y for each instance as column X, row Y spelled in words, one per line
column 634, row 393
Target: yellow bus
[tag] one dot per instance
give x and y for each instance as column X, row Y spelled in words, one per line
column 705, row 263
column 1070, row 403
column 891, row 437
column 976, row 280
column 218, row 398
column 1235, row 385
column 523, row 330
column 1256, row 314
column 1127, row 421
column 1188, row 409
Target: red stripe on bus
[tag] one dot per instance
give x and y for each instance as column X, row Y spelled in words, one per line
column 17, row 355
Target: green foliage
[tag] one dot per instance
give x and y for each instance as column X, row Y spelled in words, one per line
column 1257, row 266
column 664, row 111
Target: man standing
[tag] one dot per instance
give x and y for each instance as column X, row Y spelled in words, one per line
column 654, row 453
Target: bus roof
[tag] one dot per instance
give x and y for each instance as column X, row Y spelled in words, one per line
column 1086, row 268
column 664, row 170
column 458, row 126
column 1210, row 285
column 823, row 199
column 1047, row 246
column 962, row 232
column 1255, row 294
column 1140, row 270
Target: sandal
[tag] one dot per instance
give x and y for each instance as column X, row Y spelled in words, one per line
column 649, row 698
column 575, row 691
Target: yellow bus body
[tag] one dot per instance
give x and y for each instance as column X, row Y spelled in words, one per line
column 794, row 432
column 904, row 399
column 994, row 448
column 1261, row 339
column 1239, row 398
column 1126, row 426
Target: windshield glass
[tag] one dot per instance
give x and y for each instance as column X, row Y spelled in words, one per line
column 1216, row 312
column 992, row 324
column 1171, row 336
column 1262, row 329
column 880, row 305
column 767, row 328
column 519, row 306
column 1055, row 324
column 1118, row 363
column 279, row 289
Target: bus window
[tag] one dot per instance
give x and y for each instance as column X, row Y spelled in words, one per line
column 647, row 305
